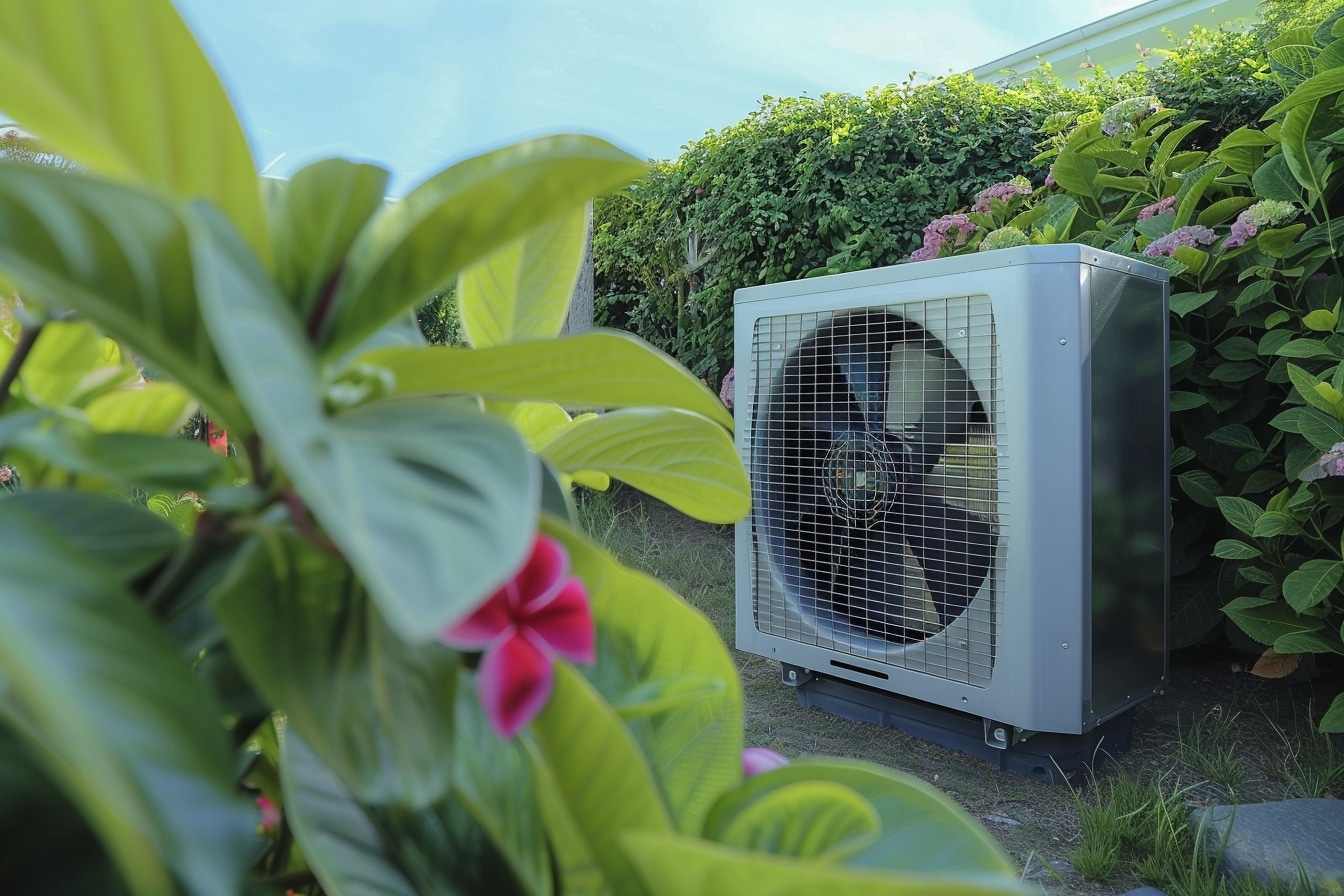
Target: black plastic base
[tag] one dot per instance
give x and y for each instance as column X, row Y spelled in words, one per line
column 1057, row 758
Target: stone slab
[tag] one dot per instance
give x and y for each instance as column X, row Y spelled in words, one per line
column 1269, row 840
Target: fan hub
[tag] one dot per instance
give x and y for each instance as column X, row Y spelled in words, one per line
column 861, row 477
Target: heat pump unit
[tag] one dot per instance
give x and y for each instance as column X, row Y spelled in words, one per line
column 959, row 476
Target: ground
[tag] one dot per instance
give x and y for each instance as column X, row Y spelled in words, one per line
column 1214, row 720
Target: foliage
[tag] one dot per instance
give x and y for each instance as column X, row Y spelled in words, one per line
column 290, row 651
column 439, row 320
column 1250, row 236
column 806, row 186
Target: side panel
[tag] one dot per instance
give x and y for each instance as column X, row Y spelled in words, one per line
column 1130, row 489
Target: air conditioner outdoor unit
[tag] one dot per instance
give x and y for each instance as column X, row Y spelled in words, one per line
column 959, row 475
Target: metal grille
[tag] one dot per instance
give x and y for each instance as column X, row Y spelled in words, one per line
column 876, row 464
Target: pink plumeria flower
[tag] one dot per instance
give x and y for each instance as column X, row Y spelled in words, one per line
column 757, row 760
column 541, row 613
column 270, row 816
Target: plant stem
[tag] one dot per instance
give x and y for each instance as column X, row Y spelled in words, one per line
column 27, row 338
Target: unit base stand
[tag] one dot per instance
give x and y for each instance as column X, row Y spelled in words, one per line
column 1057, row 758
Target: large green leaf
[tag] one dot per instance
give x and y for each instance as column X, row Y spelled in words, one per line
column 119, row 721
column 377, row 710
column 656, row 650
column 118, row 255
column 923, row 831
column 1268, row 620
column 123, row 539
column 319, row 213
column 803, row 819
column 603, row 782
column 600, row 369
column 1275, row 180
column 434, row 504
column 1312, row 90
column 126, row 459
column 338, row 840
column 676, row 456
column 62, row 359
column 1311, row 583
column 461, row 215
column 153, row 408
column 1077, row 174
column 1307, row 165
column 123, row 89
column 486, row 836
column 520, row 293
column 670, row 865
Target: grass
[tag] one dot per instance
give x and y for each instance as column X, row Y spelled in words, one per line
column 1210, row 747
column 1308, row 761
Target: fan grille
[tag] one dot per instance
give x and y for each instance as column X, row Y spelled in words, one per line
column 824, row 600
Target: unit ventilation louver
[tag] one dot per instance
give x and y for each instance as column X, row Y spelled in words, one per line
column 960, row 484
column 849, row 463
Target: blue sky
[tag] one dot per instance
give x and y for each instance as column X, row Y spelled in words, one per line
column 418, row 84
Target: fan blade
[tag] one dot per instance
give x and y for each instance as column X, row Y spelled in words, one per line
column 953, row 546
column 930, row 403
column 864, row 367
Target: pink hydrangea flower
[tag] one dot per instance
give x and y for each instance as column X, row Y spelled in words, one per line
column 937, row 232
column 1157, row 208
column 1050, row 177
column 1330, row 464
column 1191, row 235
column 540, row 614
column 728, row 391
column 757, row 760
column 1004, row 191
column 1266, row 212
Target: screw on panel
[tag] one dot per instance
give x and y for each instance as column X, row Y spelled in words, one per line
column 1063, row 342
column 1066, row 645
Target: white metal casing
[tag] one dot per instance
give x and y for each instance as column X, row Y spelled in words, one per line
column 1076, row 601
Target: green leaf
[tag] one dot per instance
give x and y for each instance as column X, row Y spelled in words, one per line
column 1274, row 180
column 676, row 456
column 923, row 831
column 1267, row 621
column 685, row 866
column 1243, row 150
column 461, row 215
column 64, row 355
column 1221, row 212
column 1278, row 242
column 124, row 90
column 1311, row 583
column 1193, row 186
column 1059, row 215
column 1181, row 352
column 1194, row 260
column 1186, row 401
column 338, row 840
column 1322, row 320
column 602, row 782
column 1308, row 642
column 803, row 819
column 1302, row 162
column 319, row 213
column 154, row 409
column 123, row 540
column 647, row 636
column 1273, row 522
column 1312, row 90
column 118, row 255
column 1239, row 512
column 376, row 709
column 1236, row 435
column 1201, row 487
column 433, row 504
column 520, row 293
column 1231, row 549
column 1305, row 385
column 1235, row 371
column 1333, row 720
column 1323, row 431
column 1306, row 348
column 1238, row 348
column 1077, row 174
column 121, row 724
column 600, row 369
column 1182, row 303
column 127, row 459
